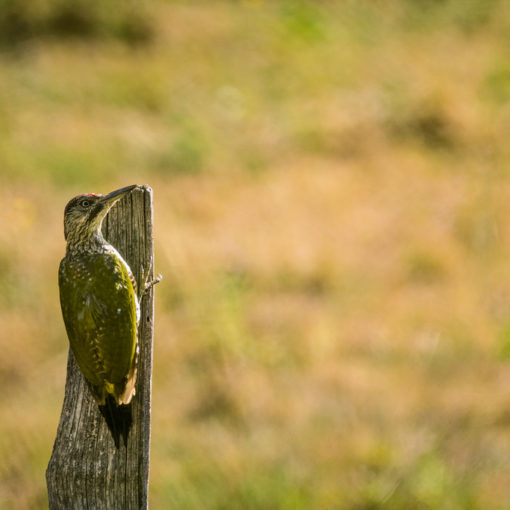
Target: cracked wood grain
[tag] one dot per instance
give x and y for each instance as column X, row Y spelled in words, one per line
column 86, row 469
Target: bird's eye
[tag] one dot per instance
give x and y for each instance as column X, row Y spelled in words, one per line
column 85, row 203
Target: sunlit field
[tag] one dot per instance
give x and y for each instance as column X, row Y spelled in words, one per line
column 332, row 219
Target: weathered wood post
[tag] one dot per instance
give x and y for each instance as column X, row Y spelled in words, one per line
column 87, row 470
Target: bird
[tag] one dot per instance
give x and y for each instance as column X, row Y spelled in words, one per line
column 99, row 301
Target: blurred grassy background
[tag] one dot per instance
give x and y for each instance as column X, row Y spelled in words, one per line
column 332, row 194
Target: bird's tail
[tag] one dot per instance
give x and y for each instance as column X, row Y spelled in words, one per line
column 119, row 419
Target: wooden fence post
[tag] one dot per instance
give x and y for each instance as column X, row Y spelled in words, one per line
column 87, row 470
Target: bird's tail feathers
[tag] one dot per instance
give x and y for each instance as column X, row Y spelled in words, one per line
column 118, row 419
column 116, row 409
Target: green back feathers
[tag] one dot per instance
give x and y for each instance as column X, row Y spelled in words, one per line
column 99, row 307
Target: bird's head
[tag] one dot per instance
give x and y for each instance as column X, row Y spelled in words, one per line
column 84, row 214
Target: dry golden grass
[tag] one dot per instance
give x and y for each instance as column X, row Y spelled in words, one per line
column 331, row 213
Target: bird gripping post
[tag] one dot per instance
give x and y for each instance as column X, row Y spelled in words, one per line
column 87, row 469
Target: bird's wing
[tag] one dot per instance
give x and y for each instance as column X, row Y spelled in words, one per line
column 99, row 308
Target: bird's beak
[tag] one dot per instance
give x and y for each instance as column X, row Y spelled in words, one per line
column 111, row 198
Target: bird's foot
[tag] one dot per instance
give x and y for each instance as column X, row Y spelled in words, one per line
column 149, row 285
column 147, row 282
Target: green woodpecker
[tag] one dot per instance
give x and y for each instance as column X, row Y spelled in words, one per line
column 99, row 300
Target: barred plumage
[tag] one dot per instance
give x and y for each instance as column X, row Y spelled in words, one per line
column 99, row 302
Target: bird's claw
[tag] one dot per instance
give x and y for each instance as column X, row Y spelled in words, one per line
column 147, row 285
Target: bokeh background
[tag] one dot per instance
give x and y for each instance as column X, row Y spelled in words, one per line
column 332, row 219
